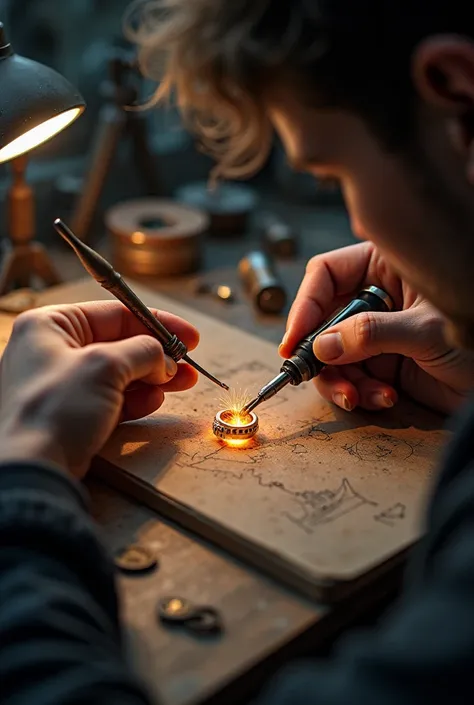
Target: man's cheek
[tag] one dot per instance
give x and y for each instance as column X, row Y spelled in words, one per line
column 376, row 219
column 368, row 220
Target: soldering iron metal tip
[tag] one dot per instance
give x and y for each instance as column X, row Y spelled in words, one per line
column 251, row 405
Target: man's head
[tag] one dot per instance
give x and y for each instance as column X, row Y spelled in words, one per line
column 376, row 93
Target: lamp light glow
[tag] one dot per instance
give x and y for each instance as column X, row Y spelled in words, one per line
column 36, row 102
column 38, row 135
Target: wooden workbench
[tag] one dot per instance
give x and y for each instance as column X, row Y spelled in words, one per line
column 266, row 625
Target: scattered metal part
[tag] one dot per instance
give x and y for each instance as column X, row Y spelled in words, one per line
column 225, row 426
column 228, row 205
column 278, row 237
column 221, row 292
column 136, row 559
column 198, row 619
column 175, row 609
column 206, row 620
column 203, row 288
column 261, row 282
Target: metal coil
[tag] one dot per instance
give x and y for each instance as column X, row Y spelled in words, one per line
column 175, row 349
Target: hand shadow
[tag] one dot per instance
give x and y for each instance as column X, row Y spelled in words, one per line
column 406, row 414
column 151, row 445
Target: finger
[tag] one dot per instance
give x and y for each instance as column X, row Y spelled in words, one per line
column 141, row 402
column 336, row 388
column 330, row 279
column 411, row 333
column 104, row 321
column 126, row 361
column 374, row 395
column 385, row 368
column 427, row 390
column 185, row 378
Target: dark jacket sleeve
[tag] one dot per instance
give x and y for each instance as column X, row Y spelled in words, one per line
column 424, row 651
column 60, row 640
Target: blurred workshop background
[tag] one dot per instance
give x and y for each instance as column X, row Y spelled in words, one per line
column 96, row 174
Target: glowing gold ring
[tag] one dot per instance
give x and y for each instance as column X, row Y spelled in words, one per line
column 222, row 427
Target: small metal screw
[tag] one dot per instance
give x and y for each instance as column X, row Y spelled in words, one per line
column 175, row 609
column 136, row 559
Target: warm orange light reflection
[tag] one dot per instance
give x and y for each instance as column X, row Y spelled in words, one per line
column 138, row 238
column 236, row 443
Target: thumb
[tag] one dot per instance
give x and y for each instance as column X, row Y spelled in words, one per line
column 413, row 333
column 139, row 358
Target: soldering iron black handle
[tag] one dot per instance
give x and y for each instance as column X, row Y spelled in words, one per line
column 303, row 365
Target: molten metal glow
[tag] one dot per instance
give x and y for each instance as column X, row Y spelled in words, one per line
column 235, row 400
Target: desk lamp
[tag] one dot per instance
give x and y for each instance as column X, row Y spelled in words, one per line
column 35, row 104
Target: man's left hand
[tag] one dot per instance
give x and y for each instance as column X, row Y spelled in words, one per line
column 71, row 373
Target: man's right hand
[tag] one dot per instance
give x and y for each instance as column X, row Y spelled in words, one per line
column 372, row 355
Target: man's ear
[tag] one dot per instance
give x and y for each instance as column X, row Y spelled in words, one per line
column 443, row 71
column 443, row 74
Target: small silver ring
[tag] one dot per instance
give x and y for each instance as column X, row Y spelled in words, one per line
column 223, row 428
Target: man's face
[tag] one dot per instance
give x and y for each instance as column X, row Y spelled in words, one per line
column 423, row 222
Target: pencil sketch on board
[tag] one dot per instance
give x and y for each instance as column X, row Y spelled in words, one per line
column 318, row 494
column 307, row 488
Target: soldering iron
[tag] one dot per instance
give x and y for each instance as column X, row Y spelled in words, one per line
column 303, row 365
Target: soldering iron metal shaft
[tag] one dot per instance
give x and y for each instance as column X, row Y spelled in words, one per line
column 103, row 273
column 303, row 365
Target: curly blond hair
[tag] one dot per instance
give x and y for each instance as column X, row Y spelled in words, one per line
column 219, row 58
column 181, row 47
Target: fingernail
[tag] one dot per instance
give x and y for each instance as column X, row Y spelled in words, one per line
column 171, row 366
column 381, row 400
column 283, row 340
column 341, row 400
column 329, row 346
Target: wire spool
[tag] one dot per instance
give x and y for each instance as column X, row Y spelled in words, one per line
column 228, row 205
column 155, row 237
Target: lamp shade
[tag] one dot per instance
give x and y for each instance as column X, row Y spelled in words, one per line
column 36, row 102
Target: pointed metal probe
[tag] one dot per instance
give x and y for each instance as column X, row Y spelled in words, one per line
column 103, row 273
